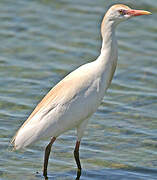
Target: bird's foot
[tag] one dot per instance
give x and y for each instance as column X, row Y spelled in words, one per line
column 78, row 174
column 45, row 174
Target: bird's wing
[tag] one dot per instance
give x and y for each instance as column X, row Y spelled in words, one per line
column 65, row 90
column 51, row 96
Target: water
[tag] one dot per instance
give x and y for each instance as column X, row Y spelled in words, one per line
column 41, row 42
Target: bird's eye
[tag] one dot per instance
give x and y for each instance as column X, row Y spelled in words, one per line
column 121, row 11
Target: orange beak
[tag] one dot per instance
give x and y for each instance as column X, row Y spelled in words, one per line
column 133, row 12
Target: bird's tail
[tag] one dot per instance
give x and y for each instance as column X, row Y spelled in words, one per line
column 24, row 137
column 12, row 142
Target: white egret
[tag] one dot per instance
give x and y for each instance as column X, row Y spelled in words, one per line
column 75, row 98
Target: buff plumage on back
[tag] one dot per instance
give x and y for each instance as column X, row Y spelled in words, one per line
column 58, row 90
column 65, row 90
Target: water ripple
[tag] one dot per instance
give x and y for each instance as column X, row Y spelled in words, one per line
column 41, row 42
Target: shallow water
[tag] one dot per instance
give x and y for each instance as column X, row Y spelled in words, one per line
column 41, row 42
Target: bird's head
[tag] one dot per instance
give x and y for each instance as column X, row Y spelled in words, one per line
column 119, row 12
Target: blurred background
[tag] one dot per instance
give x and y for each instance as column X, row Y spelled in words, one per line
column 41, row 41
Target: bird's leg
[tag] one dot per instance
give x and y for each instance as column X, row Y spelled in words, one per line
column 46, row 157
column 76, row 155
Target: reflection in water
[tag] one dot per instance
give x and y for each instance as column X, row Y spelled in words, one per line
column 115, row 174
column 77, row 177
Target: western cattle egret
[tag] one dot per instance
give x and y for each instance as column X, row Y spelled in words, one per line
column 75, row 98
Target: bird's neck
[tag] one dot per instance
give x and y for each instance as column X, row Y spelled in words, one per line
column 109, row 42
column 107, row 60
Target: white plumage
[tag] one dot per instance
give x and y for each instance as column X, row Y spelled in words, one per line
column 77, row 98
column 74, row 99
